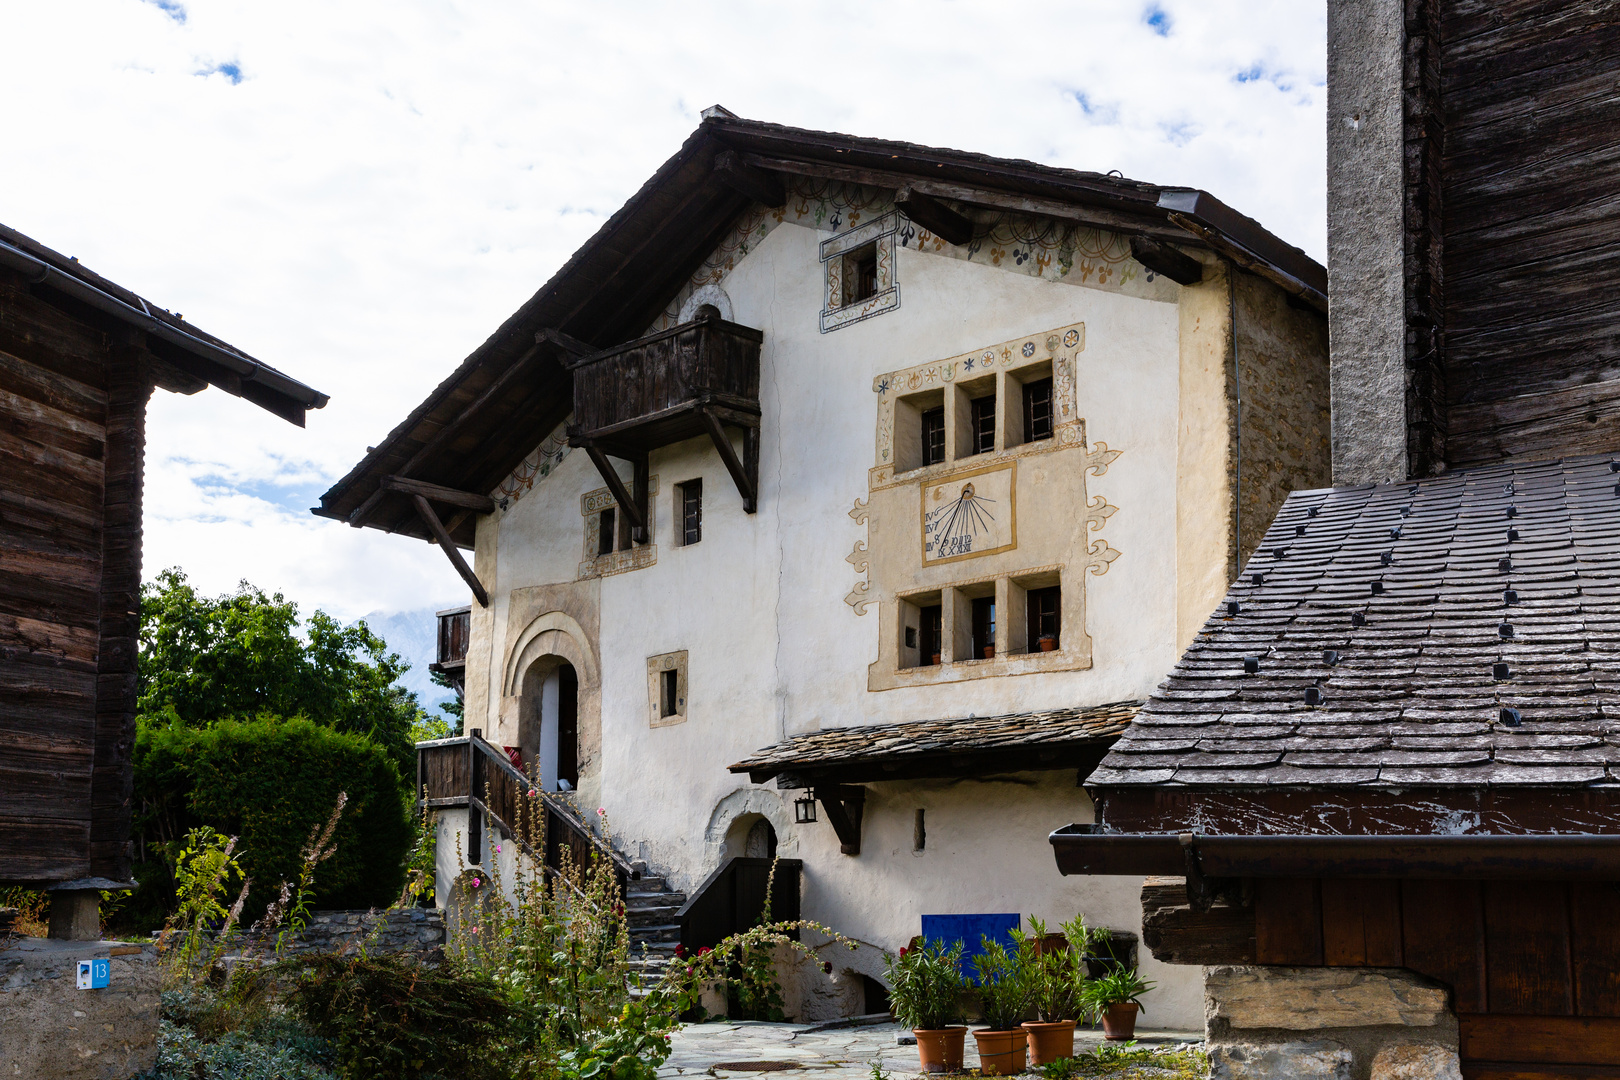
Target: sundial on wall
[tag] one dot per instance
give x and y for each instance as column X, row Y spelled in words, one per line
column 969, row 514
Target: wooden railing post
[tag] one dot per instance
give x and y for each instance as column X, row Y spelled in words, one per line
column 475, row 819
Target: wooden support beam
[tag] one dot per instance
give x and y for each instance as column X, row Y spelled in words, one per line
column 1175, row 933
column 635, row 511
column 933, row 215
column 436, row 527
column 762, row 186
column 466, row 500
column 745, row 474
column 844, row 806
column 565, row 343
column 1163, row 259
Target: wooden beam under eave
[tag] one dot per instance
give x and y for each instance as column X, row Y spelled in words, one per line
column 424, row 509
column 765, row 188
column 466, row 500
column 844, row 806
column 1163, row 259
column 935, row 216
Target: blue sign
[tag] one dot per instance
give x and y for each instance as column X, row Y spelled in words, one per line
column 94, row 974
column 969, row 930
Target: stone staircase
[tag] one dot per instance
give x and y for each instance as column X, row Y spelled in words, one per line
column 650, row 908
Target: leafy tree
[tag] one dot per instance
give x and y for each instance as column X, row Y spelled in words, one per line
column 241, row 655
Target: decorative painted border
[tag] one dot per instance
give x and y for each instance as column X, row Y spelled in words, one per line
column 591, row 504
column 834, row 316
column 536, row 467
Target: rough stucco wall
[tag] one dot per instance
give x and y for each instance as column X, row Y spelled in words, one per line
column 1205, row 559
column 1365, row 240
column 1285, row 433
column 51, row 1030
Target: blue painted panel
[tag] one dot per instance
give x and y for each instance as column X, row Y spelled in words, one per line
column 968, row 929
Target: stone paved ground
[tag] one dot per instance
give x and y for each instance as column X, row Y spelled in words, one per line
column 838, row 1054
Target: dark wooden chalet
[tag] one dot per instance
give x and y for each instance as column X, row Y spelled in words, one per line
column 1396, row 743
column 79, row 357
column 580, row 345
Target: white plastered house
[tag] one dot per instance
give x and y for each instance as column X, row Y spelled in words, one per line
column 839, row 500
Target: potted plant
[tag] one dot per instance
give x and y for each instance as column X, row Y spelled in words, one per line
column 925, row 991
column 1004, row 989
column 1057, row 975
column 1116, row 997
column 1047, row 642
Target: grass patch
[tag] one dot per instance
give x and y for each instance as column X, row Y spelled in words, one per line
column 1128, row 1061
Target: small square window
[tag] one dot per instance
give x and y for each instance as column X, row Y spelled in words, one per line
column 605, row 531
column 1038, row 410
column 667, row 689
column 930, row 633
column 860, row 274
column 933, row 435
column 984, row 425
column 1045, row 608
column 691, row 504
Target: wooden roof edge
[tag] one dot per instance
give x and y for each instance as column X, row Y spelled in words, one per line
column 203, row 356
column 1250, row 244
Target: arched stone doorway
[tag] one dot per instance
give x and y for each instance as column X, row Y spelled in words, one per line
column 548, row 727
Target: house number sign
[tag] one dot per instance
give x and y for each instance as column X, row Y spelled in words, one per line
column 969, row 514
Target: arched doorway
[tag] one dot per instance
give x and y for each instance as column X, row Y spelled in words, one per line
column 549, row 729
column 760, row 843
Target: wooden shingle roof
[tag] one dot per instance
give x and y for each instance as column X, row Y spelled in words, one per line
column 969, row 745
column 1398, row 604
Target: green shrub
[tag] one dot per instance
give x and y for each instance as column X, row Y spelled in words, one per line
column 269, row 782
column 926, row 985
column 384, row 1016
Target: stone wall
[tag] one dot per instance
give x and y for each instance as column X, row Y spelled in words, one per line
column 418, row 930
column 1284, row 1023
column 51, row 1030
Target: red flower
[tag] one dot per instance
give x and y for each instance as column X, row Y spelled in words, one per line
column 680, row 952
column 826, row 966
column 904, row 950
column 704, row 949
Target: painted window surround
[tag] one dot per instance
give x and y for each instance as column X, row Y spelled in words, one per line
column 591, row 505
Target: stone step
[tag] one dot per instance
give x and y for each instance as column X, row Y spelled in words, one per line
column 651, row 915
column 647, row 883
column 637, row 901
column 670, row 932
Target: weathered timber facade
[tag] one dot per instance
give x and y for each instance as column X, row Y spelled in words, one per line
column 1386, row 770
column 79, row 358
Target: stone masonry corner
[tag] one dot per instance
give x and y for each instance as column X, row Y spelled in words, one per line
column 1309, row 1023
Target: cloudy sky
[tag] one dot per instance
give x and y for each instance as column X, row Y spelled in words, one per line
column 358, row 192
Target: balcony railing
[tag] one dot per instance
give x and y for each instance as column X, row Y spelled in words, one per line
column 691, row 380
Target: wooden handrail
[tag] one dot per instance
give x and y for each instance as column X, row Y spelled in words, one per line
column 727, row 904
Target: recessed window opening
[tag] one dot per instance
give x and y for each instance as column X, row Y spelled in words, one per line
column 930, row 633
column 933, row 436
column 984, row 627
column 605, row 529
column 706, row 311
column 1045, row 607
column 983, row 411
column 919, row 833
column 669, row 703
column 1038, row 410
column 860, row 274
column 691, row 505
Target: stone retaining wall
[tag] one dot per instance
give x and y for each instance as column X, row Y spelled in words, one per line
column 51, row 1030
column 1283, row 1023
column 412, row 930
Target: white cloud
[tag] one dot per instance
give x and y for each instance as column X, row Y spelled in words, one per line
column 359, row 193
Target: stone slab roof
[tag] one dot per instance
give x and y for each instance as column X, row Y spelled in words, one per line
column 1396, row 603
column 1055, row 739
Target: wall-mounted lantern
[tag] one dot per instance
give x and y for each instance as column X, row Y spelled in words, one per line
column 804, row 810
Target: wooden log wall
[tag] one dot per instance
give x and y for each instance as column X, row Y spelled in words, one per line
column 54, row 421
column 1530, row 193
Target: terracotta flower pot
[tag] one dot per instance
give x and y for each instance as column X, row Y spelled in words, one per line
column 1001, row 1053
column 940, row 1050
column 1119, row 1021
column 989, row 651
column 1047, row 644
column 1049, row 1042
column 936, row 658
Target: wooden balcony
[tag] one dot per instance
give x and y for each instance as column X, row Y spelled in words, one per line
column 455, row 628
column 689, row 381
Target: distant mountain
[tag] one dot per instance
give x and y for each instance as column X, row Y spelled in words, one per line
column 415, row 636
